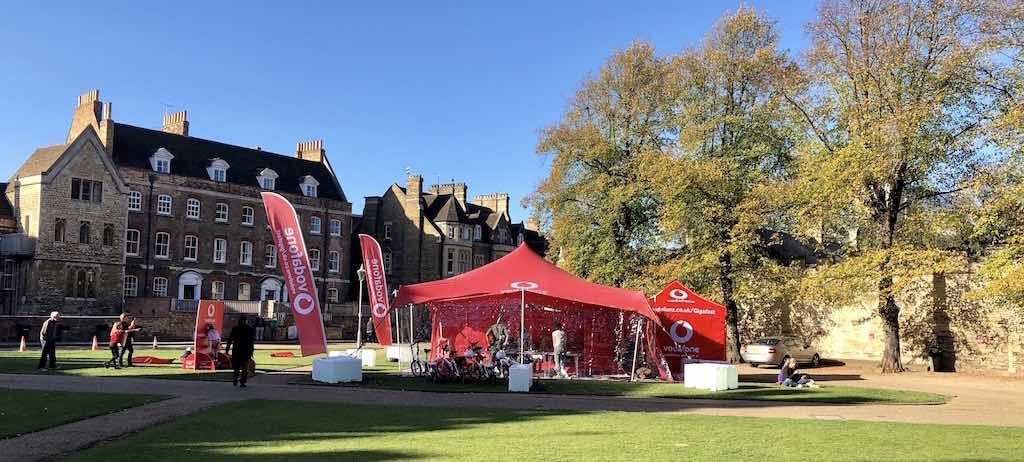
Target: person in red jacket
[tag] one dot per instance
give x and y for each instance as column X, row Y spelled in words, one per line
column 116, row 337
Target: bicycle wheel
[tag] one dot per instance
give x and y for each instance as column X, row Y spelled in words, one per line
column 417, row 369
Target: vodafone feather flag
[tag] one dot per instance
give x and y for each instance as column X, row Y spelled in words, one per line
column 291, row 254
column 377, row 285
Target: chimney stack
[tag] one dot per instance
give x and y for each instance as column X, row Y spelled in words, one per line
column 176, row 122
column 91, row 112
column 498, row 202
column 311, row 150
column 455, row 189
column 533, row 224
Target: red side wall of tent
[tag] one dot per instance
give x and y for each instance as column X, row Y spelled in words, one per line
column 464, row 306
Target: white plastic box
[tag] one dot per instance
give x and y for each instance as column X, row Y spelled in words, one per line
column 710, row 376
column 336, row 369
column 520, row 378
column 399, row 352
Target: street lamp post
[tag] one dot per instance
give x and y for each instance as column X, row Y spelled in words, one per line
column 359, row 322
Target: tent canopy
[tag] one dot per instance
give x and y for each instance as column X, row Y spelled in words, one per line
column 523, row 270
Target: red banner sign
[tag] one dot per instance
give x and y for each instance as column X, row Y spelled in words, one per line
column 695, row 326
column 210, row 312
column 377, row 287
column 298, row 277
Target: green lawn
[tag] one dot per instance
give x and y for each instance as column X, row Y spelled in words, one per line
column 747, row 391
column 24, row 411
column 279, row 431
column 84, row 362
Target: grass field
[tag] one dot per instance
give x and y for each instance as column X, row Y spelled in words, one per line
column 84, row 362
column 23, row 411
column 278, row 431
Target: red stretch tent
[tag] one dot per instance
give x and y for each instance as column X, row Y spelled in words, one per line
column 500, row 286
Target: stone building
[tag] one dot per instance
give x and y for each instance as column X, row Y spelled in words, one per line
column 438, row 233
column 120, row 214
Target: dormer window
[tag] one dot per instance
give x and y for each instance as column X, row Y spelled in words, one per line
column 218, row 170
column 267, row 179
column 309, row 186
column 161, row 161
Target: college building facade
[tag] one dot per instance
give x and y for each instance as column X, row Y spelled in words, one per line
column 119, row 214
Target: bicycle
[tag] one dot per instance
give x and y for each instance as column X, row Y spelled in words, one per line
column 418, row 366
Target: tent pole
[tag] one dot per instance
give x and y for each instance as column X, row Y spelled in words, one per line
column 636, row 348
column 522, row 326
column 411, row 339
column 359, row 322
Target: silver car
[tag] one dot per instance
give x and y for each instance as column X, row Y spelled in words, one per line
column 776, row 350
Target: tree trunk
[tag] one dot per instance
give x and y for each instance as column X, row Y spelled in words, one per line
column 889, row 311
column 732, row 318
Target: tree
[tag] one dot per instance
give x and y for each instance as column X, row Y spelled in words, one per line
column 598, row 207
column 898, row 111
column 718, row 188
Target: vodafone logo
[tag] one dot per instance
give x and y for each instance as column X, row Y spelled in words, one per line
column 379, row 310
column 679, row 296
column 683, row 337
column 524, row 285
column 304, row 303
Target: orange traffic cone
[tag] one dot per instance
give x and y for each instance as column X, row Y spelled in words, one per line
column 95, row 343
column 155, row 346
column 24, row 346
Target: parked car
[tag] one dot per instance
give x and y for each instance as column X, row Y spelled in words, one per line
column 776, row 350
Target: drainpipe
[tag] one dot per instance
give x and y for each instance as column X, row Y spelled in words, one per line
column 149, row 234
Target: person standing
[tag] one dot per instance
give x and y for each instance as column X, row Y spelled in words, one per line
column 558, row 345
column 129, row 343
column 116, row 337
column 213, row 337
column 48, row 339
column 241, row 339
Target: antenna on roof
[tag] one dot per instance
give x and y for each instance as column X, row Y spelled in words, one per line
column 167, row 106
column 408, row 170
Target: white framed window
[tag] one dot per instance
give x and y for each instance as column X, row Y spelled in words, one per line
column 220, row 250
column 270, row 257
column 245, row 253
column 217, row 290
column 309, row 186
column 244, row 291
column 335, row 227
column 163, row 204
column 465, row 232
column 161, row 161
column 160, row 287
column 267, row 179
column 387, row 230
column 332, row 295
column 218, row 170
column 134, row 201
column 314, row 224
column 191, row 248
column 463, row 261
column 192, row 208
column 248, row 216
column 387, row 261
column 131, row 286
column 131, row 242
column 450, row 261
column 163, row 245
column 333, row 262
column 314, row 259
column 221, row 215
column 478, row 232
column 451, row 232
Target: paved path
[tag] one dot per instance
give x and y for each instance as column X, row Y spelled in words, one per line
column 977, row 401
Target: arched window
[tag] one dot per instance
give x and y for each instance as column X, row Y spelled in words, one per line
column 160, row 286
column 59, row 231
column 478, row 233
column 270, row 257
column 83, row 233
column 108, row 235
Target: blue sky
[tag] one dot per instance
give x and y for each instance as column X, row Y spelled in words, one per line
column 452, row 90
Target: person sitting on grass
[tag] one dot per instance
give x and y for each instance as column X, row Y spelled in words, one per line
column 793, row 378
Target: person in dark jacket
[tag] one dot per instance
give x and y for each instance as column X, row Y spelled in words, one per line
column 241, row 340
column 129, row 343
column 48, row 338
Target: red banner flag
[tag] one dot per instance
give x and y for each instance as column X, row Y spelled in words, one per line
column 209, row 312
column 377, row 287
column 695, row 326
column 298, row 277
